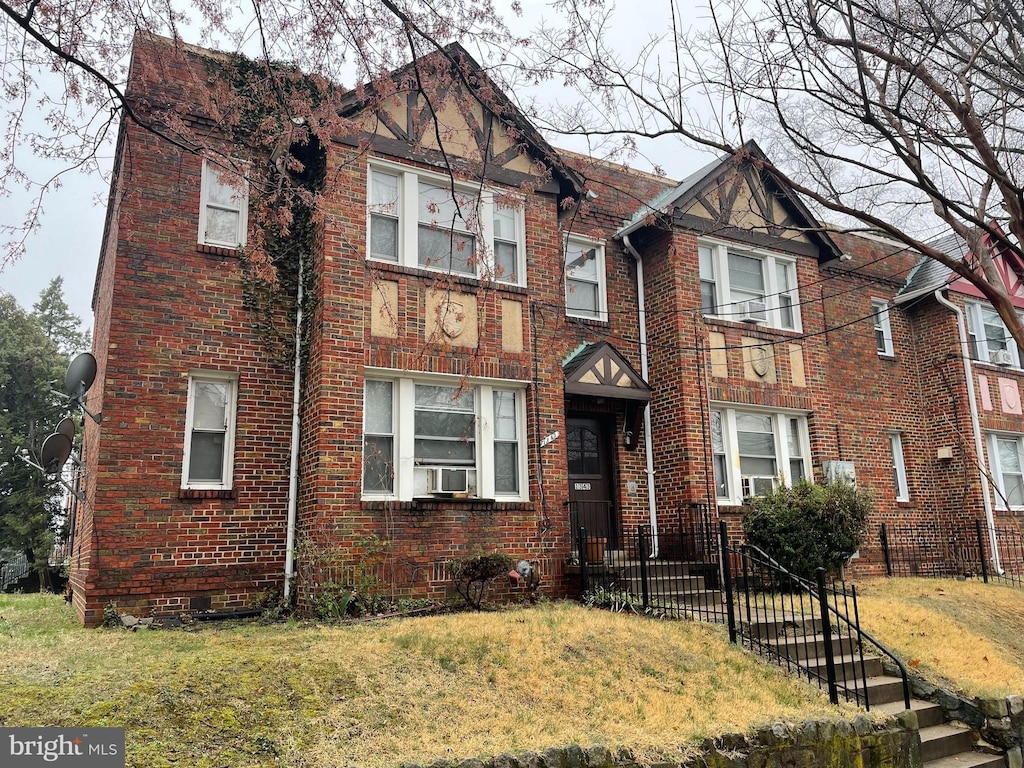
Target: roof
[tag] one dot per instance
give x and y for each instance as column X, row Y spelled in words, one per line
column 701, row 179
column 929, row 274
column 473, row 77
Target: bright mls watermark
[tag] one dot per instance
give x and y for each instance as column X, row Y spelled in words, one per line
column 79, row 747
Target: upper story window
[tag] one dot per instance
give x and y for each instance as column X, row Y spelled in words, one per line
column 418, row 219
column 223, row 207
column 442, row 437
column 991, row 341
column 585, row 292
column 883, row 331
column 748, row 286
column 754, row 450
column 209, row 430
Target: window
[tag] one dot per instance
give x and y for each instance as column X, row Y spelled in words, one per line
column 585, row 279
column 209, row 431
column 1006, row 455
column 991, row 342
column 443, row 437
column 753, row 450
column 417, row 219
column 748, row 286
column 223, row 207
column 883, row 331
column 899, row 469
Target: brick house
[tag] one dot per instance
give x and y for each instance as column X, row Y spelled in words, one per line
column 501, row 341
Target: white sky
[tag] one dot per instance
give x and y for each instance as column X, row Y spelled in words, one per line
column 68, row 241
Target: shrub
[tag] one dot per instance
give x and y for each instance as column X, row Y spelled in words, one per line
column 472, row 574
column 809, row 526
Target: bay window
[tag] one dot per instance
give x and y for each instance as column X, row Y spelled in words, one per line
column 443, row 437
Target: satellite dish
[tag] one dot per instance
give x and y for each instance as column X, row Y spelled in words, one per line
column 66, row 427
column 80, row 376
column 55, row 451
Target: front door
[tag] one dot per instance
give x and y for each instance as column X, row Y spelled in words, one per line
column 588, row 453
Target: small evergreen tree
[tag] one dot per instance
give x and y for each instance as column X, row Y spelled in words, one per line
column 808, row 526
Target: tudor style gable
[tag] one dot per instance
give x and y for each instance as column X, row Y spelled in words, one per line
column 444, row 110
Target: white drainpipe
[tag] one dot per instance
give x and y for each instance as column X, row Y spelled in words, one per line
column 975, row 425
column 648, row 441
column 293, row 473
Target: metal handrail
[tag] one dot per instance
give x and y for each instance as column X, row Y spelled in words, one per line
column 862, row 633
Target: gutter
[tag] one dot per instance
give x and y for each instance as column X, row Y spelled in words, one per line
column 648, row 441
column 293, row 472
column 975, row 425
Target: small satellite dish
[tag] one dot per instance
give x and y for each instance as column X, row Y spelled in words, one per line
column 80, row 376
column 66, row 427
column 55, row 451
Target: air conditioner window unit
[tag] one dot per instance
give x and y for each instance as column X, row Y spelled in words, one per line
column 752, row 311
column 448, row 480
column 758, row 486
column 1001, row 357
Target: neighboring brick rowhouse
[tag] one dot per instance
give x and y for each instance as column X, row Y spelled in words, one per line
column 167, row 307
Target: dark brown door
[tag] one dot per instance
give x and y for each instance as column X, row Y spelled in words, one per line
column 588, row 453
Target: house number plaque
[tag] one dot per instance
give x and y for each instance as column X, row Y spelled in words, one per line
column 581, row 486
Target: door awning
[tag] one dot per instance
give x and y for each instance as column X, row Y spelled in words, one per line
column 598, row 370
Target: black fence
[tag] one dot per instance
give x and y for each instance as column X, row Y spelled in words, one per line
column 932, row 549
column 687, row 569
column 14, row 567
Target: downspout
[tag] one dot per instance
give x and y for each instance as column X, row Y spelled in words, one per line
column 293, row 472
column 975, row 426
column 648, row 441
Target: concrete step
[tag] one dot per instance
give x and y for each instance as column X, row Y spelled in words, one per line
column 666, row 585
column 927, row 712
column 968, row 760
column 938, row 741
column 884, row 689
column 809, row 646
column 685, row 600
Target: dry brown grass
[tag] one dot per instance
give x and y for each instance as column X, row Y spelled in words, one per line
column 964, row 635
column 378, row 694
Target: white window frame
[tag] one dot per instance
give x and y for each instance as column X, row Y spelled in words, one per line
column 882, row 327
column 981, row 350
column 480, row 226
column 409, row 477
column 783, row 456
column 996, row 468
column 899, row 466
column 726, row 307
column 241, row 207
column 572, row 242
column 230, row 381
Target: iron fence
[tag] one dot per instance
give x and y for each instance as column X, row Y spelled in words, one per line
column 933, row 549
column 682, row 570
column 14, row 566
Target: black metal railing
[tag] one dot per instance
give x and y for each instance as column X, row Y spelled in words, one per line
column 682, row 571
column 945, row 550
column 811, row 629
column 13, row 568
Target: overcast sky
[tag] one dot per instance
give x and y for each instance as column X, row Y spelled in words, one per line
column 68, row 241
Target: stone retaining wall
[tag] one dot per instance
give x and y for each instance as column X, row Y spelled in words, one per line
column 859, row 743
